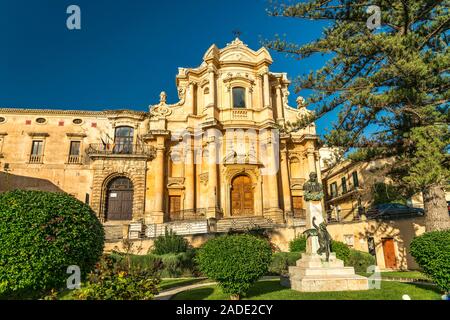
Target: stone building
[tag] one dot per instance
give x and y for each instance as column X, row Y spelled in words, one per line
column 210, row 162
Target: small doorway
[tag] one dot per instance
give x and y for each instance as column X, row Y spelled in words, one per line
column 119, row 199
column 175, row 208
column 390, row 260
column 242, row 198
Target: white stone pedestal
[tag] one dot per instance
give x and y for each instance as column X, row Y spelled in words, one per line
column 313, row 274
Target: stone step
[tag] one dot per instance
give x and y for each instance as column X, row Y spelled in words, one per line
column 328, row 283
column 302, row 272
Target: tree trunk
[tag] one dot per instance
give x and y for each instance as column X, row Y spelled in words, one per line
column 436, row 212
column 235, row 297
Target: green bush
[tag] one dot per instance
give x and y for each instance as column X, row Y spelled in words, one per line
column 170, row 242
column 41, row 235
column 342, row 250
column 112, row 280
column 281, row 261
column 172, row 265
column 432, row 253
column 298, row 244
column 360, row 260
column 235, row 261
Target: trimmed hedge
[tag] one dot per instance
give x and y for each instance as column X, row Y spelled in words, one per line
column 41, row 234
column 281, row 261
column 432, row 253
column 358, row 259
column 235, row 261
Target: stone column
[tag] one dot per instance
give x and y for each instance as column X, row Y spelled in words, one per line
column 212, row 94
column 274, row 212
column 212, row 176
column 189, row 173
column 286, row 182
column 191, row 96
column 279, row 104
column 158, row 211
column 311, row 161
column 266, row 89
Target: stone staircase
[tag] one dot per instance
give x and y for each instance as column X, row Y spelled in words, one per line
column 245, row 223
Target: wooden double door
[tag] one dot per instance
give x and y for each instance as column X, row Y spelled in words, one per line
column 242, row 196
column 119, row 201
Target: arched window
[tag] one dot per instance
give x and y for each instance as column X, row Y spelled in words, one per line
column 123, row 140
column 238, row 97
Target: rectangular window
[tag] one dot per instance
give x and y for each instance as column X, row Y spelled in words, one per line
column 333, row 190
column 238, row 97
column 355, row 180
column 344, row 184
column 74, row 152
column 37, row 150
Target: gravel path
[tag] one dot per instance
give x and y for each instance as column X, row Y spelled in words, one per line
column 169, row 293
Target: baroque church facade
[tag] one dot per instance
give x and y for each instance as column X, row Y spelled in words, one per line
column 215, row 158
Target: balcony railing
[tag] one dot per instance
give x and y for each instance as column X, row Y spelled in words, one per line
column 199, row 213
column 120, row 149
column 74, row 159
column 36, row 158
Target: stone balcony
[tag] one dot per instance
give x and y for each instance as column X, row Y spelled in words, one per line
column 100, row 150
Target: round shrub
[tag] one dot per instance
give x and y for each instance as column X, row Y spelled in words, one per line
column 41, row 234
column 432, row 253
column 235, row 262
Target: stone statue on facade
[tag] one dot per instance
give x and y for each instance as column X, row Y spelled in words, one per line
column 313, row 189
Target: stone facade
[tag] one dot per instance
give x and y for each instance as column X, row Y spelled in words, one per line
column 215, row 155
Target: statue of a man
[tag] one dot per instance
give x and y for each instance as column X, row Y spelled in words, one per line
column 313, row 188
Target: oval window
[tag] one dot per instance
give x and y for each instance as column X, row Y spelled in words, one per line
column 2, row 119
column 41, row 120
column 77, row 121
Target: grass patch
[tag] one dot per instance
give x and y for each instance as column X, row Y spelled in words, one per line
column 272, row 290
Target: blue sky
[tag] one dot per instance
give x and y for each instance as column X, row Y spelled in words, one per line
column 127, row 52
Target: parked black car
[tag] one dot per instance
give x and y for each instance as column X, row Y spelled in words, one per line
column 393, row 210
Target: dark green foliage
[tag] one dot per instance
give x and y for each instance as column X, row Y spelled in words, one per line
column 170, row 242
column 113, row 280
column 432, row 253
column 235, row 261
column 41, row 234
column 298, row 244
column 342, row 250
column 170, row 265
column 360, row 260
column 357, row 259
column 281, row 261
column 388, row 84
column 388, row 193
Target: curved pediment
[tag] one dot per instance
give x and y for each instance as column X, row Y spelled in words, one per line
column 238, row 52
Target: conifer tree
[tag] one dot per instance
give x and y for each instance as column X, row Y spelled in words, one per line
column 388, row 75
